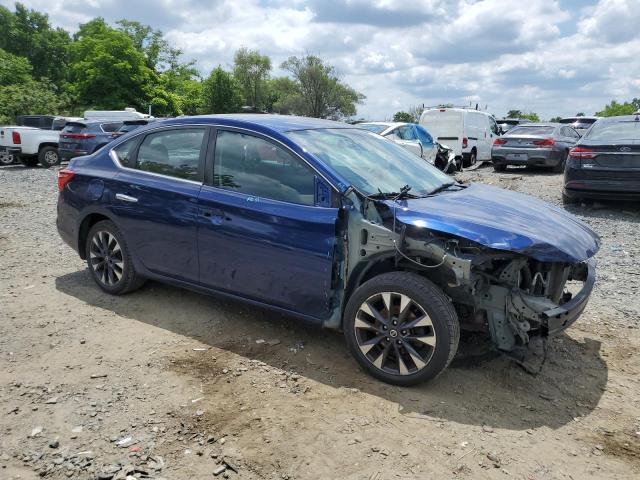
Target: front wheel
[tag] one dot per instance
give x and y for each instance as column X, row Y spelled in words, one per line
column 109, row 259
column 401, row 328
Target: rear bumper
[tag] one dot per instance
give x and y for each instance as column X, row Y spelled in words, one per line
column 602, row 184
column 562, row 317
column 66, row 154
column 66, row 225
column 11, row 150
column 544, row 157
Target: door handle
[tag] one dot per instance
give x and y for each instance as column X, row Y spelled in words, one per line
column 126, row 198
column 215, row 215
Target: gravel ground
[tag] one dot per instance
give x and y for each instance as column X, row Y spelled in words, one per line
column 166, row 383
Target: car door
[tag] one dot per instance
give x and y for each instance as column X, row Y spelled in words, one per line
column 266, row 228
column 405, row 136
column 429, row 149
column 156, row 198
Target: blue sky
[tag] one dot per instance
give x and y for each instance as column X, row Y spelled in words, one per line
column 550, row 57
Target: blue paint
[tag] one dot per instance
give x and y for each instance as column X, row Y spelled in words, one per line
column 504, row 220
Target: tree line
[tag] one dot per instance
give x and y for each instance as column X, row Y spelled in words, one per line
column 47, row 70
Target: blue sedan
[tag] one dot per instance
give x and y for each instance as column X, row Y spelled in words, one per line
column 331, row 223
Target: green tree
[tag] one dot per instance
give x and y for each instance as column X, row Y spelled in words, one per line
column 530, row 116
column 283, row 96
column 555, row 119
column 403, row 117
column 107, row 70
column 615, row 109
column 221, row 93
column 252, row 72
column 322, row 93
column 514, row 114
column 20, row 94
column 28, row 34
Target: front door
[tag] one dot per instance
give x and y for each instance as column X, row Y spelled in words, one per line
column 262, row 233
column 156, row 195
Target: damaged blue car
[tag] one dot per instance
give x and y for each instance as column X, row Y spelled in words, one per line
column 333, row 224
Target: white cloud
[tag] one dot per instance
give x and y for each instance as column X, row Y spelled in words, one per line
column 554, row 57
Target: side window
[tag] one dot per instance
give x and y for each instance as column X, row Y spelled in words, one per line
column 110, row 127
column 172, row 152
column 406, row 132
column 251, row 165
column 494, row 126
column 125, row 152
column 423, row 136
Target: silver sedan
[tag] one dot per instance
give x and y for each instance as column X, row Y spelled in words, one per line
column 534, row 144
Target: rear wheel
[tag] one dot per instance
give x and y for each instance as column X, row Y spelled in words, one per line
column 6, row 159
column 28, row 161
column 567, row 200
column 110, row 261
column 560, row 167
column 473, row 158
column 48, row 157
column 401, row 328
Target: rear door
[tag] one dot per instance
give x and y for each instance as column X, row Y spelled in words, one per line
column 406, row 137
column 266, row 227
column 155, row 198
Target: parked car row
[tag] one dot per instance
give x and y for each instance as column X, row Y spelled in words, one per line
column 48, row 140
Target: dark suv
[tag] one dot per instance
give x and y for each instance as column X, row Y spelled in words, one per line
column 84, row 138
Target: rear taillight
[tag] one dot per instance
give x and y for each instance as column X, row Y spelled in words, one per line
column 547, row 142
column 465, row 142
column 15, row 137
column 582, row 153
column 78, row 136
column 499, row 141
column 64, row 176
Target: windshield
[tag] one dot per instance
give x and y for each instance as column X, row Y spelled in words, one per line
column 372, row 127
column 369, row 162
column 531, row 130
column 628, row 130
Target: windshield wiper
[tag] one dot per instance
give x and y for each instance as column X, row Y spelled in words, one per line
column 404, row 192
column 442, row 187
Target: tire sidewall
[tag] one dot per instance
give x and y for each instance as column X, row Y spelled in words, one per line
column 43, row 154
column 440, row 357
column 122, row 285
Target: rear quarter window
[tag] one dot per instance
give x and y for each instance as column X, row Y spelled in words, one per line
column 110, row 127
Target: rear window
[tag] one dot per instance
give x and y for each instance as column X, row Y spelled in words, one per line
column 111, row 127
column 129, row 127
column 521, row 130
column 74, row 128
column 372, row 127
column 614, row 131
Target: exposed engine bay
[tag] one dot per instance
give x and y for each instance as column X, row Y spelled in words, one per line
column 509, row 295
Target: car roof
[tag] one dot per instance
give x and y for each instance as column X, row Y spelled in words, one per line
column 539, row 124
column 386, row 124
column 621, row 118
column 582, row 117
column 278, row 123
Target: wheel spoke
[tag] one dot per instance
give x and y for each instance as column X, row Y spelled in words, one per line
column 369, row 344
column 427, row 340
column 373, row 312
column 405, row 303
column 402, row 368
column 386, row 298
column 415, row 356
column 363, row 324
column 423, row 321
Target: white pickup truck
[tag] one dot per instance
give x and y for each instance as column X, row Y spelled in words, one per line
column 32, row 144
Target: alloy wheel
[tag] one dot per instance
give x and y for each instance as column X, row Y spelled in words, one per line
column 51, row 157
column 106, row 258
column 395, row 333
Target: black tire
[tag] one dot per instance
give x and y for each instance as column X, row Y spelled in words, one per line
column 48, row 157
column 28, row 161
column 499, row 167
column 473, row 158
column 560, row 167
column 128, row 280
column 443, row 327
column 6, row 159
column 567, row 200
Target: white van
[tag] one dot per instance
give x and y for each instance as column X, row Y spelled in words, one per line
column 470, row 133
column 115, row 115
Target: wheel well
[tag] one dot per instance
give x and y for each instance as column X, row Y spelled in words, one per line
column 42, row 145
column 473, row 149
column 373, row 269
column 85, row 226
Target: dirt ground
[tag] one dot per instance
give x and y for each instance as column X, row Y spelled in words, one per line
column 166, row 383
